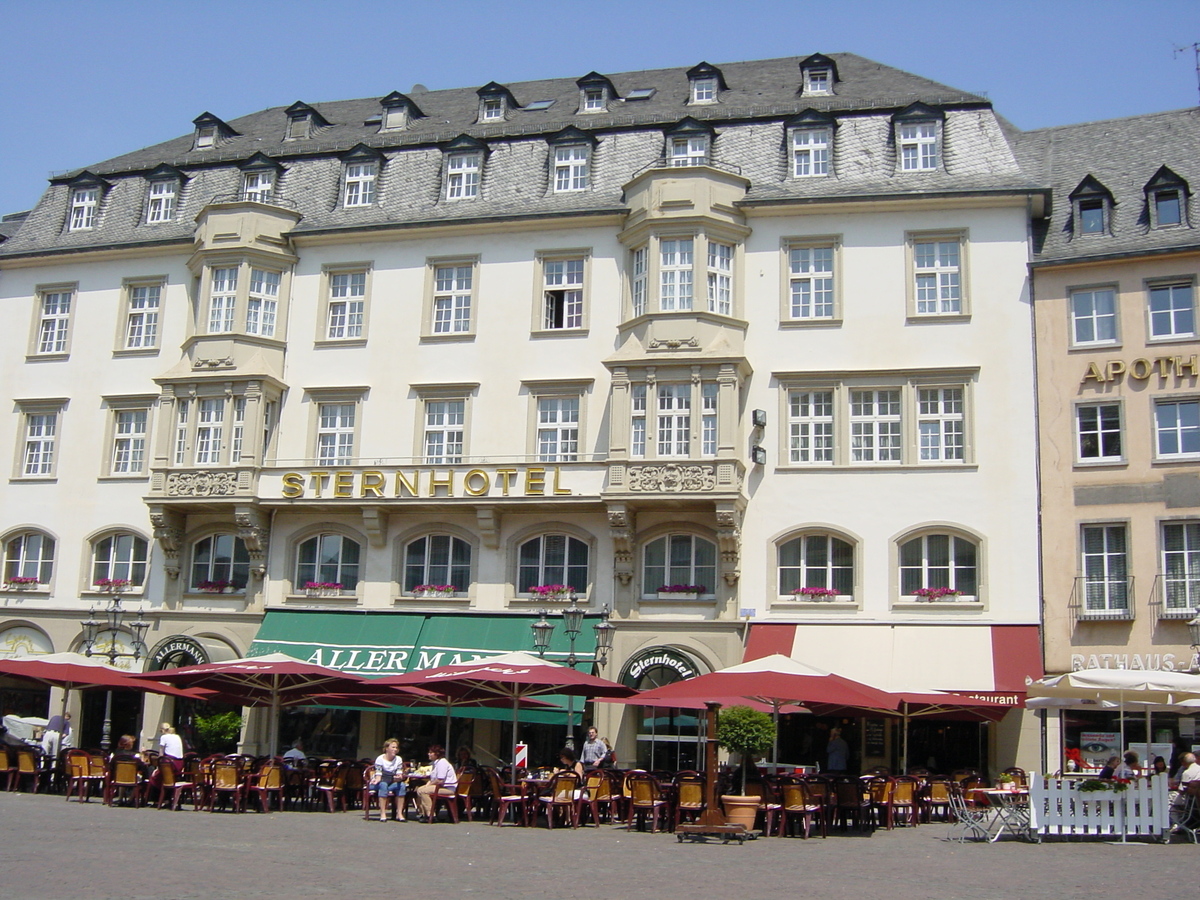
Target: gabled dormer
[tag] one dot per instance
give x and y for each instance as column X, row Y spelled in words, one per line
column 463, row 171
column 705, row 84
column 303, row 122
column 495, row 103
column 164, row 184
column 210, row 132
column 818, row 75
column 810, row 142
column 571, row 160
column 688, row 143
column 87, row 192
column 917, row 133
column 361, row 166
column 399, row 111
column 260, row 175
column 1166, row 199
column 1091, row 207
column 595, row 93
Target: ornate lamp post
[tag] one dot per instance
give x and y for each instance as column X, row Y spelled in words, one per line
column 543, row 629
column 92, row 630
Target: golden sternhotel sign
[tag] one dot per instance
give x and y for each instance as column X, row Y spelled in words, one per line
column 351, row 484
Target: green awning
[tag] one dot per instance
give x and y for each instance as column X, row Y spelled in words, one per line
column 373, row 643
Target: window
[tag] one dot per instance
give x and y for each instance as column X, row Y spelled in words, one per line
column 493, row 109
column 673, row 432
column 810, row 151
column 220, row 559
column 210, row 423
column 818, row 81
column 1094, row 316
column 810, row 426
column 720, row 278
column 1181, row 565
column 682, row 559
column 462, row 175
column 553, row 559
column 674, row 422
column 810, row 283
column 875, row 426
column 29, row 555
column 562, row 293
column 816, row 561
column 1168, row 210
column 1091, row 216
column 593, row 100
column 161, row 201
column 940, row 423
column 571, row 167
column 395, row 118
column 328, row 559
column 1105, row 570
column 437, row 559
column 222, row 300
column 935, row 561
column 54, row 326
column 675, row 274
column 638, row 281
column 689, row 151
column 298, row 127
column 937, row 268
column 637, row 437
column 41, row 434
column 206, row 137
column 558, row 429
column 141, row 316
column 444, row 431
column 708, row 419
column 335, row 434
column 258, row 186
column 182, row 411
column 347, row 296
column 238, row 436
column 452, row 299
column 120, row 557
column 1098, row 427
column 1177, row 428
column 360, row 184
column 263, row 303
column 84, row 203
column 704, row 90
column 129, row 441
column 919, row 147
column 1172, row 313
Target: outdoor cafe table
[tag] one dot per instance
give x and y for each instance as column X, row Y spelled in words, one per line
column 1011, row 811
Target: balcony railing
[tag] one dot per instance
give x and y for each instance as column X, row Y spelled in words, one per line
column 689, row 162
column 1102, row 599
column 1176, row 596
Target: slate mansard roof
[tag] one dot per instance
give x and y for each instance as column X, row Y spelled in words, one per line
column 1122, row 156
column 749, row 124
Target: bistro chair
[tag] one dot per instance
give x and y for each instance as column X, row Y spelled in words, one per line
column 331, row 783
column 904, row 799
column 269, row 781
column 354, row 783
column 80, row 778
column 689, row 796
column 852, row 804
column 967, row 821
column 27, row 767
column 170, row 781
column 598, row 792
column 563, row 795
column 935, row 800
column 8, row 766
column 226, row 779
column 645, row 798
column 125, row 782
column 1019, row 776
column 768, row 804
column 503, row 799
column 798, row 805
column 1185, row 812
column 454, row 798
column 879, row 790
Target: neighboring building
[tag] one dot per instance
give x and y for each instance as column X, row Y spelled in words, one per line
column 1115, row 273
column 757, row 329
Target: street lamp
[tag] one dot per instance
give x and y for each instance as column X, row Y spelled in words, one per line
column 543, row 629
column 92, row 631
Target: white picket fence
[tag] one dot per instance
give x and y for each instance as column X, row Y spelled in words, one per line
column 1057, row 807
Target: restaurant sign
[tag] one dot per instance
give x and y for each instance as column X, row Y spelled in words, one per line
column 402, row 484
column 1159, row 662
column 637, row 666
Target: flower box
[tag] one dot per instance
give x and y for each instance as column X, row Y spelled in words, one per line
column 680, row 591
column 323, row 589
column 434, row 591
column 22, row 583
column 935, row 594
column 551, row 591
column 112, row 585
column 217, row 587
column 815, row 594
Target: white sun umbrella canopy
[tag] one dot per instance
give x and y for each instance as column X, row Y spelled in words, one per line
column 1118, row 685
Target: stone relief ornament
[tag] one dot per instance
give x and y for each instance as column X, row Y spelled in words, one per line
column 672, row 478
column 202, row 484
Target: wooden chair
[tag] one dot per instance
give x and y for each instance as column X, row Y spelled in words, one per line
column 852, row 804
column 797, row 804
column 689, row 796
column 124, row 781
column 27, row 767
column 354, row 783
column 904, row 799
column 935, row 800
column 820, row 791
column 645, row 798
column 226, row 779
column 331, row 784
column 268, row 782
column 562, row 796
column 80, row 778
column 599, row 793
column 503, row 800
column 768, row 802
column 879, row 789
column 454, row 798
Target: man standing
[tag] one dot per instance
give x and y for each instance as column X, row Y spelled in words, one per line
column 595, row 751
column 837, row 752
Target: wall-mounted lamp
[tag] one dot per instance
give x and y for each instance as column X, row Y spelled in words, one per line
column 758, row 418
column 758, row 456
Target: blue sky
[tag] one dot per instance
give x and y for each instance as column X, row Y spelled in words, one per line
column 87, row 80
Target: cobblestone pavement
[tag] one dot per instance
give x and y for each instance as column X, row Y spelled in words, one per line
column 52, row 849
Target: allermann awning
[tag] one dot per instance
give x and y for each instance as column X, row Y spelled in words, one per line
column 373, row 643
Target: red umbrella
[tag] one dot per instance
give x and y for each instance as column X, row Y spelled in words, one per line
column 515, row 676
column 75, row 672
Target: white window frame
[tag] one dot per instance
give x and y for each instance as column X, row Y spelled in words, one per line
column 85, row 208
column 638, row 425
column 127, row 559
column 812, row 151
column 40, row 440
column 876, row 425
column 463, row 174
column 491, row 109
column 38, row 564
column 693, row 575
column 346, row 304
column 258, row 186
column 262, row 303
column 337, row 427
column 1089, row 318
column 143, row 306
column 572, row 167
column 444, row 432
column 206, row 137
column 234, row 568
column 673, row 419
column 360, row 182
column 436, row 568
column 237, row 435
column 594, row 100
column 940, row 424
column 704, row 89
column 161, row 196
column 720, row 277
column 930, row 570
column 130, row 427
column 558, row 427
column 1177, row 318
column 1177, row 436
column 1099, row 423
column 563, row 294
column 918, row 145
column 1104, row 571
column 1180, row 566
column 938, row 278
column 554, row 552
column 818, row 80
column 810, row 572
column 452, row 298
column 688, row 150
column 639, row 280
column 676, row 274
column 810, row 426
column 52, row 334
column 222, row 298
column 811, row 281
column 209, row 431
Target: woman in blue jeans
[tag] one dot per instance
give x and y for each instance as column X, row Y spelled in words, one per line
column 388, row 779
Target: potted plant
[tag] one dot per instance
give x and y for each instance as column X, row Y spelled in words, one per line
column 680, row 591
column 747, row 732
column 1005, row 781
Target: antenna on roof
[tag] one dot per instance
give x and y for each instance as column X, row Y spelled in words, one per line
column 1195, row 48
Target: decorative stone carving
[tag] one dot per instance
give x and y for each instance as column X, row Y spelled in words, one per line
column 252, row 529
column 202, row 484
column 488, row 520
column 168, row 531
column 672, row 478
column 222, row 363
column 729, row 541
column 620, row 529
column 674, row 343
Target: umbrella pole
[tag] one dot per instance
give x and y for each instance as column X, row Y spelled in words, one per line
column 514, row 742
column 775, row 704
column 447, row 744
column 273, row 728
column 904, row 739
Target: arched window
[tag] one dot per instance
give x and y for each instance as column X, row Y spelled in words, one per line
column 553, row 559
column 328, row 559
column 220, row 559
column 821, row 562
column 120, row 557
column 437, row 559
column 939, row 566
column 679, row 559
column 29, row 555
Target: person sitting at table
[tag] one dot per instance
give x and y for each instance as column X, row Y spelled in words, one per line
column 1159, row 766
column 388, row 779
column 1127, row 768
column 170, row 743
column 1109, row 767
column 295, row 758
column 569, row 762
column 463, row 758
column 441, row 776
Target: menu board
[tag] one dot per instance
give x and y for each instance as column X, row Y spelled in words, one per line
column 873, row 742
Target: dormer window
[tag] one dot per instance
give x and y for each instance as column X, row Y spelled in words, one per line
column 206, row 137
column 258, row 186
column 571, row 155
column 593, row 100
column 493, row 109
column 595, row 93
column 706, row 83
column 360, row 183
column 1091, row 216
column 704, row 90
column 395, row 118
column 1091, row 207
column 1166, row 199
column 84, row 203
column 495, row 100
column 209, row 131
column 160, row 202
column 1168, row 210
column 919, row 147
column 297, row 128
column 398, row 112
column 462, row 175
column 818, row 81
column 688, row 144
column 303, row 121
